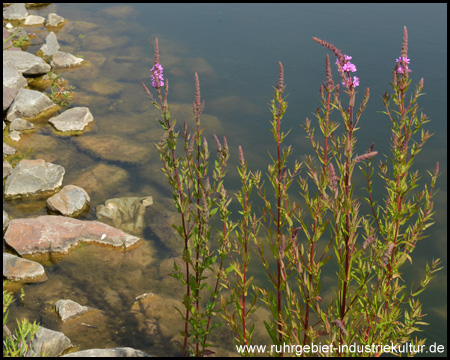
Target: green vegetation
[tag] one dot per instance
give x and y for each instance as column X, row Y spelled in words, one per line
column 19, row 343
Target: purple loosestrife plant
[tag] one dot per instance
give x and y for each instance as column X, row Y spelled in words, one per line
column 235, row 278
column 370, row 297
column 371, row 303
column 278, row 216
column 197, row 199
column 404, row 216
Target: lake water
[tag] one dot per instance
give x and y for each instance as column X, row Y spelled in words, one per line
column 235, row 48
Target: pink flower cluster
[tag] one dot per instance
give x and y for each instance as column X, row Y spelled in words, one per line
column 403, row 66
column 348, row 67
column 157, row 76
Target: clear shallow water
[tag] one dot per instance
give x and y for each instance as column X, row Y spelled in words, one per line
column 235, row 49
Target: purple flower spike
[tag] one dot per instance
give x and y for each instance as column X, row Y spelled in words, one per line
column 404, row 59
column 157, row 76
column 349, row 67
column 403, row 65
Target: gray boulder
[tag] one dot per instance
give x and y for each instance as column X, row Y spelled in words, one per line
column 5, row 220
column 18, row 269
column 15, row 11
column 26, row 63
column 70, row 201
column 8, row 150
column 29, row 104
column 12, row 78
column 33, row 20
column 9, row 95
column 32, row 177
column 63, row 60
column 51, row 46
column 49, row 343
column 20, row 124
column 69, row 309
column 54, row 20
column 75, row 119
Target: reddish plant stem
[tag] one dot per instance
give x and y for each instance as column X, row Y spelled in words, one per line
column 183, row 220
column 245, row 272
column 279, row 222
column 399, row 195
column 347, row 215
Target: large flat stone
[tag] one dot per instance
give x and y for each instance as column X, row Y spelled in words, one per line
column 48, row 233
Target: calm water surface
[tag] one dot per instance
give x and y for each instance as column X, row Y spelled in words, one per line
column 235, row 49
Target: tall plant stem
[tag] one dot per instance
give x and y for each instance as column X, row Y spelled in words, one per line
column 347, row 215
column 245, row 238
column 280, row 336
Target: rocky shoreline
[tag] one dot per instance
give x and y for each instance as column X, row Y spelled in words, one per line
column 30, row 178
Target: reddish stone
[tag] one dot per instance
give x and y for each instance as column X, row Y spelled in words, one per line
column 48, row 233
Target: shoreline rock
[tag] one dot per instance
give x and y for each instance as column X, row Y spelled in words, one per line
column 70, row 201
column 48, row 234
column 33, row 177
column 18, row 269
column 60, row 234
column 72, row 120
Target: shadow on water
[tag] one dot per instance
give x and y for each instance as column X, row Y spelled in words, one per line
column 163, row 251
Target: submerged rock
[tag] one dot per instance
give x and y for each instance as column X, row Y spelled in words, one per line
column 104, row 87
column 33, row 177
column 20, row 124
column 51, row 233
column 101, row 179
column 114, row 148
column 63, row 60
column 69, row 309
column 155, row 315
column 126, row 213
